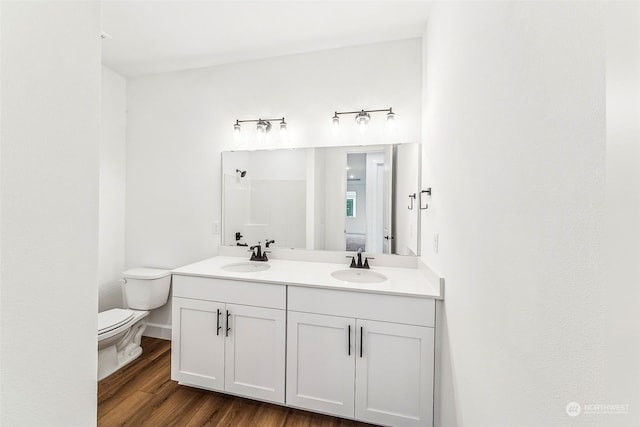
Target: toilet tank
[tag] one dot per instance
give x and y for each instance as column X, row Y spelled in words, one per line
column 146, row 288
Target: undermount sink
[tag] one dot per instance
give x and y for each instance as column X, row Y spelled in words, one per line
column 246, row 267
column 358, row 275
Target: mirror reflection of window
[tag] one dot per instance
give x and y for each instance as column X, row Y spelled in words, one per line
column 351, row 204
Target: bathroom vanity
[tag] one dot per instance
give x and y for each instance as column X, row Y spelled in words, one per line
column 360, row 346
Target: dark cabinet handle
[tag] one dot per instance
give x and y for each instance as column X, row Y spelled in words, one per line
column 361, row 333
column 228, row 327
column 349, row 340
column 218, row 327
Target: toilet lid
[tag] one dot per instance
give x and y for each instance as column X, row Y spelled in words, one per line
column 112, row 319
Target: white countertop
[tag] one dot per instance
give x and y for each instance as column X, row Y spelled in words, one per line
column 400, row 281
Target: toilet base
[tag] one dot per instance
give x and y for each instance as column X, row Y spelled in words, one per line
column 125, row 351
column 126, row 358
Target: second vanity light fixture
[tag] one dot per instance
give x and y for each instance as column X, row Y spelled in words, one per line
column 262, row 125
column 363, row 116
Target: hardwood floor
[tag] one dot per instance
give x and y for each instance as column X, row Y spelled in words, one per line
column 142, row 394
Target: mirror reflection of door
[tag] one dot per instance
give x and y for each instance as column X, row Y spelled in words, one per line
column 356, row 199
column 385, row 190
column 368, row 213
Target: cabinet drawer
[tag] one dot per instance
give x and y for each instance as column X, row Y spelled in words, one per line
column 231, row 291
column 388, row 308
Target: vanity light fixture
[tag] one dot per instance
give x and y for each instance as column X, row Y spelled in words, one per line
column 262, row 125
column 363, row 117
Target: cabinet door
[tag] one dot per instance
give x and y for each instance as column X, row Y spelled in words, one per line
column 394, row 374
column 320, row 363
column 255, row 351
column 197, row 347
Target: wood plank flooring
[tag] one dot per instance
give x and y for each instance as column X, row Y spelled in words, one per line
column 142, row 394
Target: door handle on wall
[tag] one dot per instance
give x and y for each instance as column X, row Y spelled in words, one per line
column 428, row 192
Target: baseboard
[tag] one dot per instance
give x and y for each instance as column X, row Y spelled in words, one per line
column 154, row 330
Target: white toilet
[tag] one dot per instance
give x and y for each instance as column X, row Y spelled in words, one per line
column 120, row 330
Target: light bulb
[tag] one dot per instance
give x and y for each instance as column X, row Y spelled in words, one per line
column 284, row 133
column 236, row 130
column 391, row 116
column 391, row 119
column 336, row 121
column 362, row 119
column 362, row 125
column 261, row 127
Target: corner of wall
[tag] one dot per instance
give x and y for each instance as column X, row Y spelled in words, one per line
column 429, row 217
column 113, row 120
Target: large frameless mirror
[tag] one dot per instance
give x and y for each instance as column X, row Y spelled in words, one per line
column 327, row 198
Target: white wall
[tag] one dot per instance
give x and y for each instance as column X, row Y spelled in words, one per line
column 1, row 108
column 178, row 124
column 112, row 189
column 514, row 149
column 50, row 70
column 623, row 210
column 406, row 181
column 318, row 192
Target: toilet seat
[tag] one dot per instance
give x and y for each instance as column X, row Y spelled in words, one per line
column 113, row 319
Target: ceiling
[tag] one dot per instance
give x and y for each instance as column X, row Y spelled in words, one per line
column 151, row 37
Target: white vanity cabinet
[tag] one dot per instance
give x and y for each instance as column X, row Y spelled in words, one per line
column 394, row 374
column 361, row 355
column 197, row 346
column 229, row 336
column 321, row 363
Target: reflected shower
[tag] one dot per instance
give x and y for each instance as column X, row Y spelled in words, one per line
column 242, row 173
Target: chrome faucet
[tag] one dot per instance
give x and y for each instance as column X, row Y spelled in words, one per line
column 359, row 263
